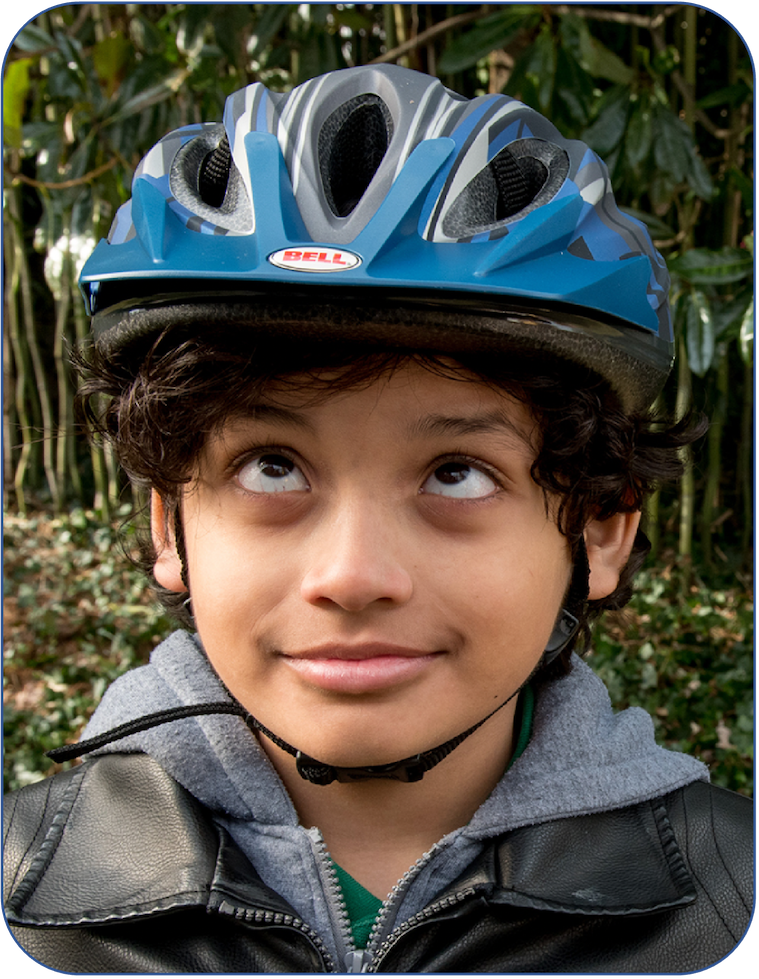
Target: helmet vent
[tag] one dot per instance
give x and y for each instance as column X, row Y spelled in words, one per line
column 213, row 175
column 517, row 183
column 352, row 144
column 524, row 175
column 204, row 179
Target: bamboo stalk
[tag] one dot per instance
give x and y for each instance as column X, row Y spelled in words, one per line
column 35, row 354
column 684, row 376
column 101, row 503
column 112, row 469
column 97, row 458
column 745, row 467
column 9, row 419
column 72, row 459
column 652, row 503
column 63, row 434
column 687, row 485
column 653, row 531
column 714, row 456
column 20, row 365
column 398, row 54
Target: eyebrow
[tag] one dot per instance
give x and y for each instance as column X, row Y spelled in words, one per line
column 493, row 422
column 489, row 423
column 275, row 415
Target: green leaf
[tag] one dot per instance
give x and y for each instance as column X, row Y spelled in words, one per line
column 33, row 38
column 230, row 21
column 195, row 19
column 345, row 16
column 573, row 86
column 744, row 185
column 698, row 177
column 600, row 62
column 639, row 133
column 702, row 266
column 610, row 125
column 110, row 56
column 656, row 227
column 728, row 315
column 746, row 337
column 541, row 67
column 269, row 24
column 15, row 90
column 699, row 333
column 146, row 36
column 667, row 60
column 594, row 58
column 488, row 34
column 673, row 143
column 731, row 95
column 149, row 97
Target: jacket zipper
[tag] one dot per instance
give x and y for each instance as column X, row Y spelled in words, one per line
column 258, row 916
column 351, row 957
column 381, row 932
column 358, row 960
column 417, row 919
column 382, row 938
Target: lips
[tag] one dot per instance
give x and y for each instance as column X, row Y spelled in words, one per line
column 360, row 668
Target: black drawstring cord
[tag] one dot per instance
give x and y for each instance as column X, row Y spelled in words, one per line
column 407, row 770
column 410, row 769
column 68, row 752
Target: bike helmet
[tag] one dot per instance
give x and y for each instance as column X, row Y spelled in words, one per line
column 374, row 202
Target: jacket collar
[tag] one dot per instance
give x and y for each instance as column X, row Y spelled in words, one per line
column 168, row 854
column 582, row 865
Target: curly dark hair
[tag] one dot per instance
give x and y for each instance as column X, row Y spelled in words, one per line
column 158, row 410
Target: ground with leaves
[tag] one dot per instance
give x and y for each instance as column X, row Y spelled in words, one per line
column 78, row 613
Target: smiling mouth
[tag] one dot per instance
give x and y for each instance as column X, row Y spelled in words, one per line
column 359, row 668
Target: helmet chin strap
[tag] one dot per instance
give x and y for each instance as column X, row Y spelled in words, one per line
column 411, row 769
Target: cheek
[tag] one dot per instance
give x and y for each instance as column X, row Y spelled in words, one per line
column 519, row 588
column 235, row 576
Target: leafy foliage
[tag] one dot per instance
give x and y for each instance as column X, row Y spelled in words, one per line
column 77, row 613
column 683, row 651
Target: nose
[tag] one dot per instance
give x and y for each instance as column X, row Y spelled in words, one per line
column 358, row 559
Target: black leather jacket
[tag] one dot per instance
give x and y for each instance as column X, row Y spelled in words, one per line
column 113, row 867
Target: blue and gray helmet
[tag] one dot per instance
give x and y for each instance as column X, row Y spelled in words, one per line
column 375, row 203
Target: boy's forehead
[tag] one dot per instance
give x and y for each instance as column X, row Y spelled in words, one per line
column 423, row 403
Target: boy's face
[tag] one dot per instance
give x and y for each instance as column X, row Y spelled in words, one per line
column 372, row 574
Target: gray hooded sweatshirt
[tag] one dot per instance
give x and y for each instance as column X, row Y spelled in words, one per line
column 582, row 758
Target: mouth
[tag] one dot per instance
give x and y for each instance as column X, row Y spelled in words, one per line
column 363, row 668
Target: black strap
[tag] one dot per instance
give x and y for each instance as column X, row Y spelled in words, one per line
column 410, row 769
column 407, row 770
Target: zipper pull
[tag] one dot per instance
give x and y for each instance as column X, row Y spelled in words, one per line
column 358, row 961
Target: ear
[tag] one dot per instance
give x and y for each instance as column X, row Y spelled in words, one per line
column 609, row 543
column 168, row 565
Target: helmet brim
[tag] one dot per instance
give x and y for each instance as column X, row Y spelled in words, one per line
column 635, row 364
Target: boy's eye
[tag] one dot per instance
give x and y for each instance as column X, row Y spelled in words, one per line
column 271, row 473
column 459, row 479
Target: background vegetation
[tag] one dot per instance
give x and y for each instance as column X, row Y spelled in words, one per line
column 663, row 93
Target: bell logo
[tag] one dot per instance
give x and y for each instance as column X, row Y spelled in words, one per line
column 314, row 259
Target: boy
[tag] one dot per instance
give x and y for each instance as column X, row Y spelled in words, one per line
column 383, row 357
